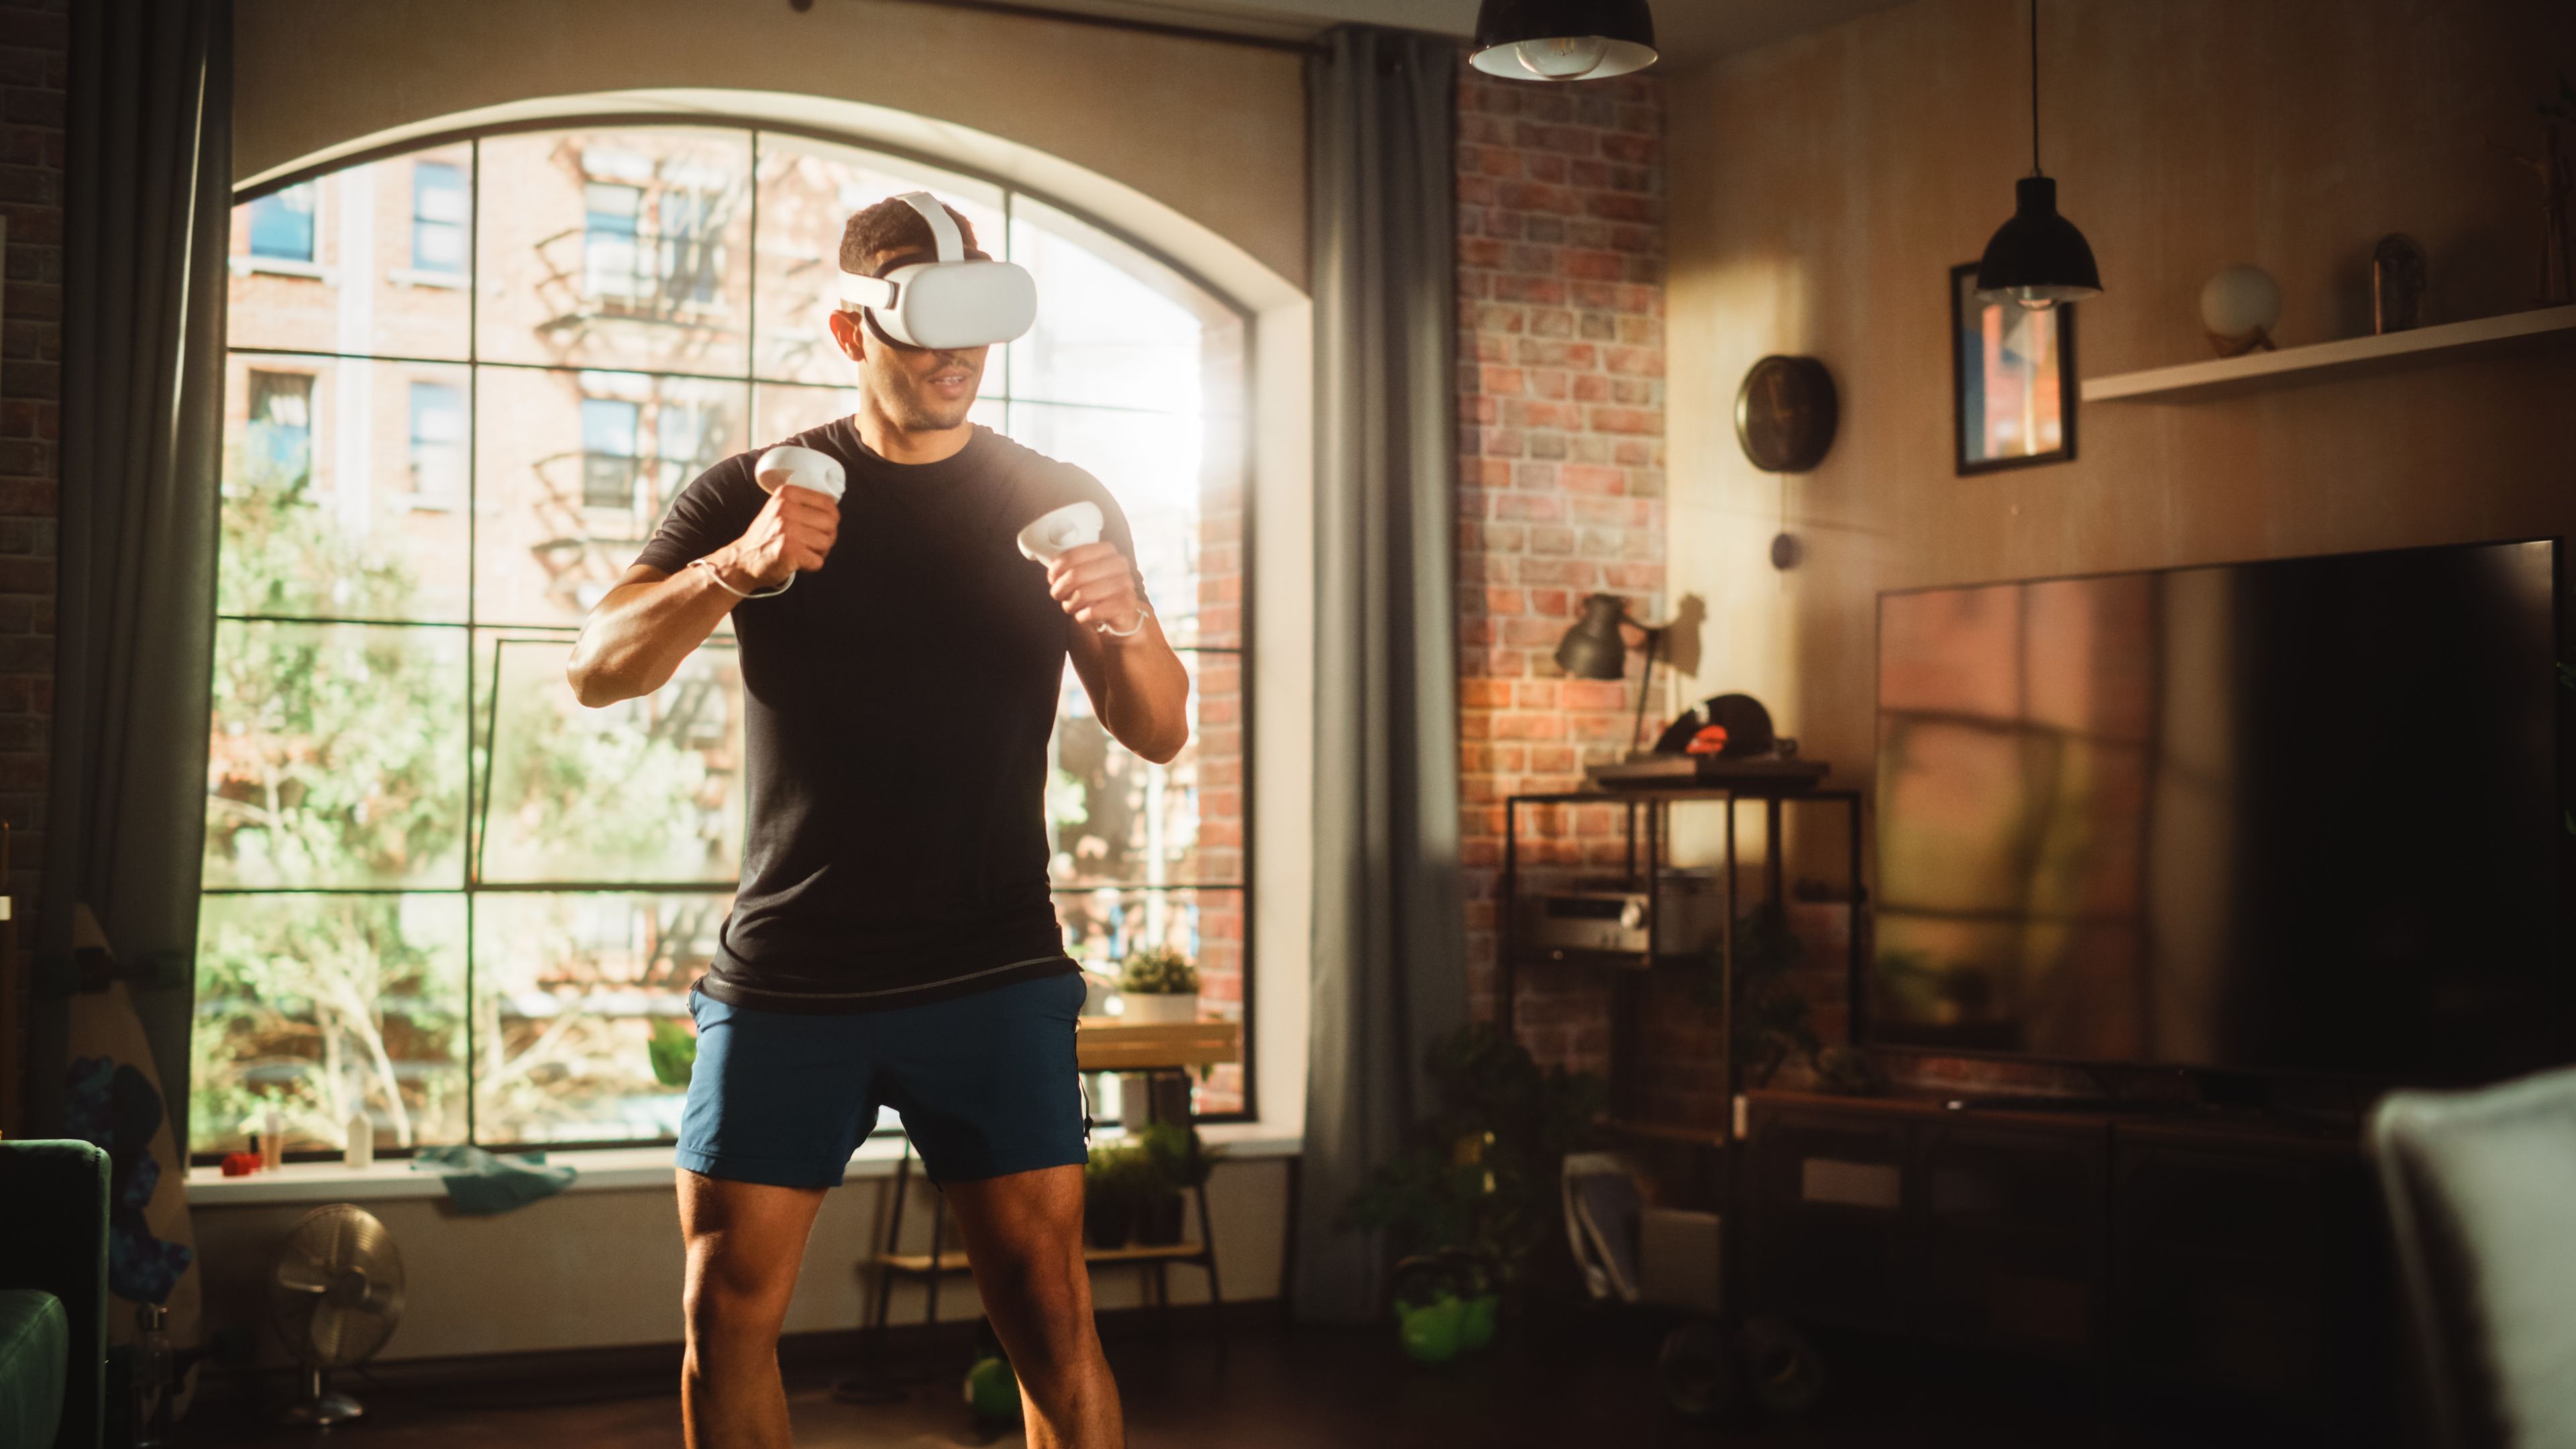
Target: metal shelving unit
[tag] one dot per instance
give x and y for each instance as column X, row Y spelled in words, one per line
column 1649, row 834
column 1653, row 810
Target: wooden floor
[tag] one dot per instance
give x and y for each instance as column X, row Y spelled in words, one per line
column 1586, row 1384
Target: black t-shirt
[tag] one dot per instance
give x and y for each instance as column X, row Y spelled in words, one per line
column 898, row 703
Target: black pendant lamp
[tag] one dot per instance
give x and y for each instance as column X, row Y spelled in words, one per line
column 1563, row 40
column 2038, row 258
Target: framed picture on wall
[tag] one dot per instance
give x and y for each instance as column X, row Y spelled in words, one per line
column 2014, row 372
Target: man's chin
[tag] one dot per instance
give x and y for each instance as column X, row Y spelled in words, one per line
column 937, row 420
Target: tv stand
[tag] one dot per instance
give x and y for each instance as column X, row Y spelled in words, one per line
column 2130, row 1240
column 2047, row 1102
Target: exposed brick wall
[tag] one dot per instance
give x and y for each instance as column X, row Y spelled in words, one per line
column 34, row 55
column 1561, row 479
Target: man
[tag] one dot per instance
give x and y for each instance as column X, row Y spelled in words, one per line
column 893, row 941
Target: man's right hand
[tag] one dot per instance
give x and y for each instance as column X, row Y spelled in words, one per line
column 638, row 633
column 792, row 535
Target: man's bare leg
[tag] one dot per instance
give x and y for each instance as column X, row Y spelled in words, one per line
column 744, row 1241
column 1024, row 1235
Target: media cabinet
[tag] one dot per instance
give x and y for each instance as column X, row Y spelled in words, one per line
column 2199, row 1265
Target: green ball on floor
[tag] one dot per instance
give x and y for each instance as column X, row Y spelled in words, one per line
column 992, row 1390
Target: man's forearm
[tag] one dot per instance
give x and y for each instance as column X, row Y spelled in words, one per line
column 1148, row 691
column 639, row 633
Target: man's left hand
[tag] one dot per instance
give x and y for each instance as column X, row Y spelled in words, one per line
column 1097, row 586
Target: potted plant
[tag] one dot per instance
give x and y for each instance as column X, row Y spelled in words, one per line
column 1772, row 1029
column 1477, row 1192
column 1116, row 1181
column 1158, row 984
column 1181, row 1163
column 1480, row 1298
column 1428, row 1310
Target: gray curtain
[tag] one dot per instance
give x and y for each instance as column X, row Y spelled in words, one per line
column 148, row 201
column 1390, row 932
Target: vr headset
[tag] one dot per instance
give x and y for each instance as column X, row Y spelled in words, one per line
column 947, row 302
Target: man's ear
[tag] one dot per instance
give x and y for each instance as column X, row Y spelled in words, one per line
column 851, row 333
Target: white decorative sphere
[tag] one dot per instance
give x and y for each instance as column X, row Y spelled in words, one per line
column 2239, row 300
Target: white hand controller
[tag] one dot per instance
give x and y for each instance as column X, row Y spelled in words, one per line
column 1060, row 532
column 781, row 467
column 803, row 467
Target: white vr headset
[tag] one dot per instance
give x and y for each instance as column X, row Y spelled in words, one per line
column 950, row 302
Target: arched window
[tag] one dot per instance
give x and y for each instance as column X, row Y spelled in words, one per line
column 465, row 382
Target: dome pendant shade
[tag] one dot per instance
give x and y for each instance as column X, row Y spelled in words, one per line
column 1563, row 40
column 2038, row 258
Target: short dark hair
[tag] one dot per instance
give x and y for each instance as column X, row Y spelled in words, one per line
column 892, row 226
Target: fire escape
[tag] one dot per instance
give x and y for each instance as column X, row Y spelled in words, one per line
column 604, row 292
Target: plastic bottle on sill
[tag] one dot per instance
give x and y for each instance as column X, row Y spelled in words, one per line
column 362, row 1141
column 272, row 1139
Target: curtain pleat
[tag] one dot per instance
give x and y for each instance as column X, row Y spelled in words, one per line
column 148, row 206
column 1389, row 968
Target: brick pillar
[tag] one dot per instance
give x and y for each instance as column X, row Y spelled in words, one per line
column 34, row 53
column 1561, row 477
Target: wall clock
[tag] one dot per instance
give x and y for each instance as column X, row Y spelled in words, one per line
column 1785, row 414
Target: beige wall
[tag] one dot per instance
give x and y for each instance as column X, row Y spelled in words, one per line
column 1218, row 132
column 1822, row 187
column 602, row 1268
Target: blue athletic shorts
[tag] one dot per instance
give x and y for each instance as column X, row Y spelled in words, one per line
column 985, row 1083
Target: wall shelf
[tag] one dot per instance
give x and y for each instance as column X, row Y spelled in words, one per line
column 2352, row 356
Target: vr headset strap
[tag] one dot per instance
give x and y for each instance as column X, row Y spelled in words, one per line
column 943, row 227
column 870, row 294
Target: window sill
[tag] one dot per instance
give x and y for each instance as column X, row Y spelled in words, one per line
column 416, row 277
column 243, row 266
column 603, row 1169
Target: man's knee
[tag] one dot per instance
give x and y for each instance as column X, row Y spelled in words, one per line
column 743, row 1244
column 730, row 1296
column 1048, row 1292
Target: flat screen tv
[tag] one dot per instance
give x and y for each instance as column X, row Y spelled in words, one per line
column 2299, row 816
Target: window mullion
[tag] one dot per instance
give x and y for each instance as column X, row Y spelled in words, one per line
column 473, row 578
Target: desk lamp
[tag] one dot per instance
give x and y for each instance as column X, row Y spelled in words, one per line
column 1595, row 649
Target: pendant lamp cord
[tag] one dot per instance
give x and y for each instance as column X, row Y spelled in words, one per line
column 2034, row 89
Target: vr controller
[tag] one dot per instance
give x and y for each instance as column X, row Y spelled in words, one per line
column 1050, row 537
column 790, row 466
column 949, row 302
column 1060, row 531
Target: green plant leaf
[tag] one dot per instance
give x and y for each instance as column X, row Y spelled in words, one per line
column 1158, row 971
column 674, row 1052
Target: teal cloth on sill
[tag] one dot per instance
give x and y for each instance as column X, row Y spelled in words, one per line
column 480, row 1183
